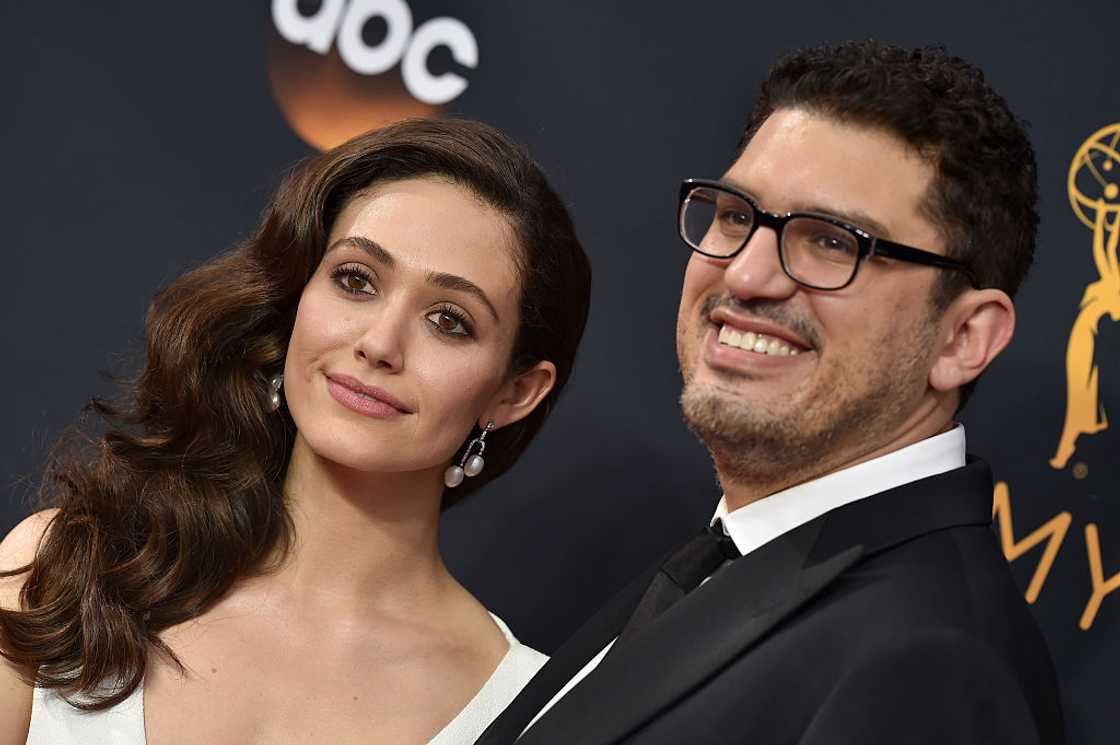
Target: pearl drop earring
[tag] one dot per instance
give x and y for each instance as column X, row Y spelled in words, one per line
column 469, row 465
column 274, row 397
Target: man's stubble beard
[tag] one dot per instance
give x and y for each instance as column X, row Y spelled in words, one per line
column 817, row 428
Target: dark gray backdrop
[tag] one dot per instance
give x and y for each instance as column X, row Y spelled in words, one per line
column 142, row 138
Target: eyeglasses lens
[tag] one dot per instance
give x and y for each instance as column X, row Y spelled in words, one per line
column 818, row 253
column 715, row 222
column 814, row 252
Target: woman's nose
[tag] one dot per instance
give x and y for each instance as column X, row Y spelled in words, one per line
column 383, row 340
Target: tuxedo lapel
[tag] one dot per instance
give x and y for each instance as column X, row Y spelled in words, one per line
column 693, row 639
column 959, row 497
column 567, row 661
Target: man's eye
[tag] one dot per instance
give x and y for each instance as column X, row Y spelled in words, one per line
column 734, row 218
column 832, row 243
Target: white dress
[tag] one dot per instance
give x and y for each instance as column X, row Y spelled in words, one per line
column 55, row 722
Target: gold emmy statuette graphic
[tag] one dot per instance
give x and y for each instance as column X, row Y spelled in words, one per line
column 1094, row 194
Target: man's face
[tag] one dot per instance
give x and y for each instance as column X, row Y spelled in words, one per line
column 860, row 357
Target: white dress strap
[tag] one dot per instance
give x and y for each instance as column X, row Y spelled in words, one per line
column 518, row 666
column 55, row 722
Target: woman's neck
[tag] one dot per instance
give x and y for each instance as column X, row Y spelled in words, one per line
column 362, row 537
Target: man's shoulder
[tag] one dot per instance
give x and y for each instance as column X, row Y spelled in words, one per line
column 946, row 592
column 956, row 577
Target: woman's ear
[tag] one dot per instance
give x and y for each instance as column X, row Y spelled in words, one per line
column 975, row 328
column 520, row 395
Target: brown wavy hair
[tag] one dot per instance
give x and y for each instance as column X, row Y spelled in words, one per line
column 180, row 495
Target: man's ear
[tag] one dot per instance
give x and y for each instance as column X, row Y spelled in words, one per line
column 520, row 395
column 975, row 328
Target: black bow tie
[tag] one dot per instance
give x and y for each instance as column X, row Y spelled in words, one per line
column 682, row 573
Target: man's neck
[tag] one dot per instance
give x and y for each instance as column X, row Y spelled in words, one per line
column 741, row 492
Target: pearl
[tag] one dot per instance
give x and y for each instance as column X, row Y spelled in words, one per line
column 274, row 397
column 453, row 476
column 474, row 465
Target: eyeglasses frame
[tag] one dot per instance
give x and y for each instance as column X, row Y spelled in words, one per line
column 869, row 245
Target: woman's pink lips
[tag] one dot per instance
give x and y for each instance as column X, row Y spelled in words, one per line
column 369, row 404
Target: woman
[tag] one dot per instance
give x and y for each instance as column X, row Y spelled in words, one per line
column 248, row 553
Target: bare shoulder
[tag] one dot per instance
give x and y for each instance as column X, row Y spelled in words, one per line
column 19, row 546
column 16, row 550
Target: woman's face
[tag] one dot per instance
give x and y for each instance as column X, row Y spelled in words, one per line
column 403, row 335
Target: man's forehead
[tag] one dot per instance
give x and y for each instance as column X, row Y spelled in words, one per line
column 800, row 160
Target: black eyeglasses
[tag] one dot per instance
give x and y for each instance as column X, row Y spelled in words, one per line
column 816, row 251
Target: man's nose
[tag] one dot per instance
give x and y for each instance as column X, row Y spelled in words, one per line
column 756, row 271
column 384, row 338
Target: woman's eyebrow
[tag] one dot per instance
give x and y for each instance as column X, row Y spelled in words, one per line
column 462, row 284
column 439, row 279
column 371, row 247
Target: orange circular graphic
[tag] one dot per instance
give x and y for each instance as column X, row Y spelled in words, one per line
column 326, row 103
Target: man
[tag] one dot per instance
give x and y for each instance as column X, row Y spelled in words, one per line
column 851, row 277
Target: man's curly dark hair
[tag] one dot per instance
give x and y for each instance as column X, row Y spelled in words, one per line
column 985, row 192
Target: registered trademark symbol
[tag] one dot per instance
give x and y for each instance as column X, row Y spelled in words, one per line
column 1080, row 470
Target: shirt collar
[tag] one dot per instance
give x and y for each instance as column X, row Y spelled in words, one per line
column 760, row 522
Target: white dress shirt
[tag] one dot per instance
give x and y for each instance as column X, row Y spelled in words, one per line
column 760, row 522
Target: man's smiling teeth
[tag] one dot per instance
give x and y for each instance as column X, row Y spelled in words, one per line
column 753, row 342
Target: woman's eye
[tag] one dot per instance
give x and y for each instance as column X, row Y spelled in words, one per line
column 354, row 282
column 448, row 323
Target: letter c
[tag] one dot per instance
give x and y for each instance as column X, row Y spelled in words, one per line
column 453, row 34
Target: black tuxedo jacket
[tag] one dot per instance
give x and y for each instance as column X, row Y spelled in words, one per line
column 894, row 619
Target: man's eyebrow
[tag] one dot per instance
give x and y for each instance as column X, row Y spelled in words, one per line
column 371, row 247
column 462, row 284
column 850, row 216
column 732, row 183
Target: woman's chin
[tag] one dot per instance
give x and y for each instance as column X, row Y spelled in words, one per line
column 336, row 456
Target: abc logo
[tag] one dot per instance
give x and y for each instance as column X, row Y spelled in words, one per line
column 333, row 81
